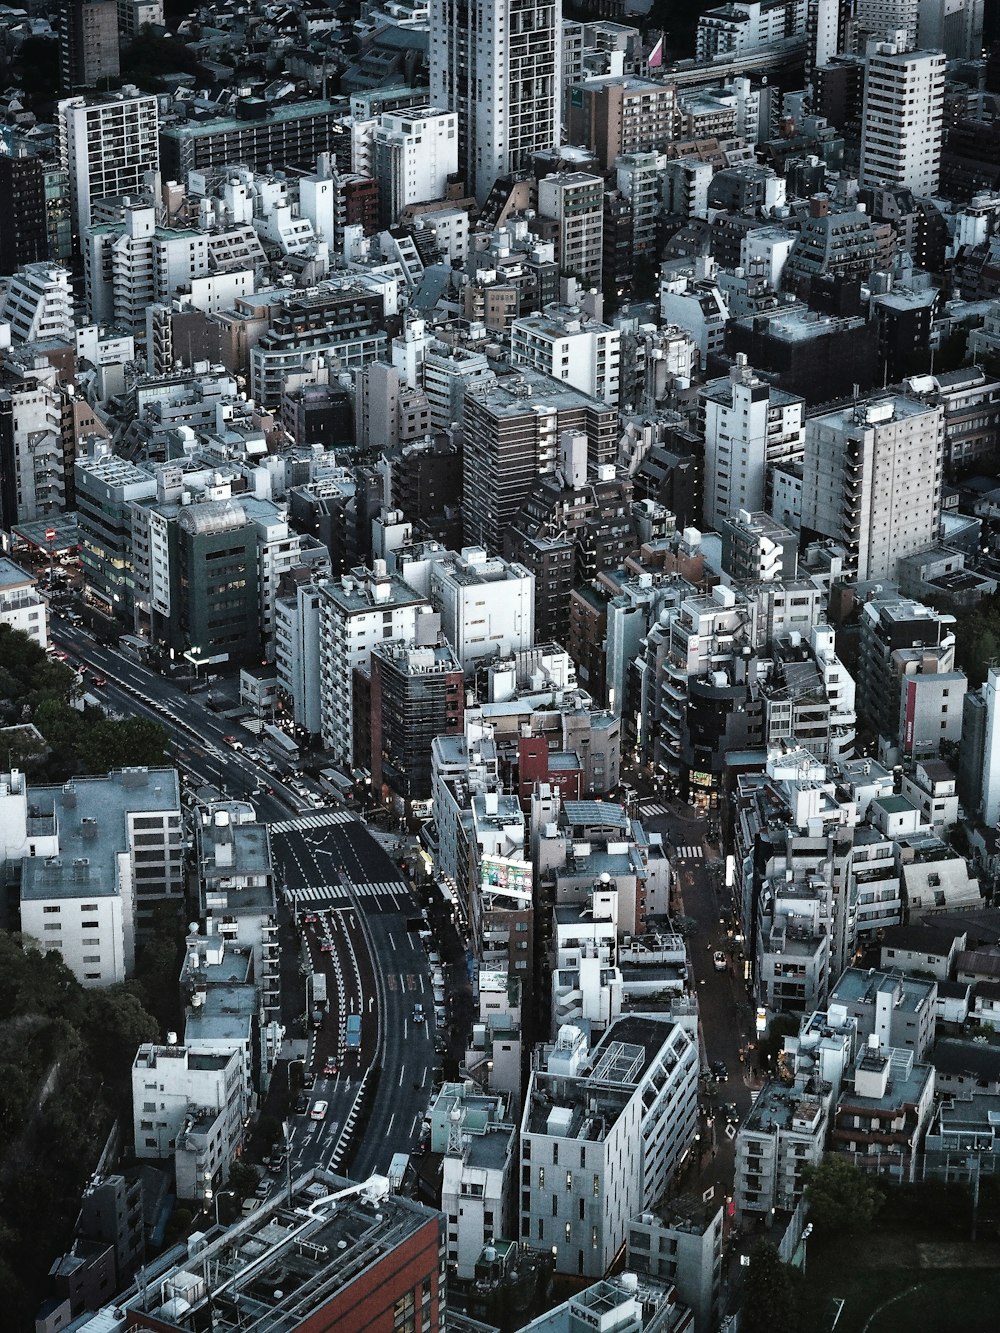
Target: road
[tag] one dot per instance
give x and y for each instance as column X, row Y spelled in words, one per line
column 725, row 1012
column 333, row 870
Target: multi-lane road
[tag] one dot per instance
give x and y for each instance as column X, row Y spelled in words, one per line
column 364, row 937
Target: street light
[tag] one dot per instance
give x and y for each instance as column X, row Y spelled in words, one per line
column 210, row 1195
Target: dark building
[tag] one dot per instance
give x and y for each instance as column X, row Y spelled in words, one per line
column 259, row 134
column 88, row 43
column 319, row 414
column 673, row 474
column 417, row 693
column 586, row 512
column 618, row 263
column 425, row 482
column 538, row 762
column 338, row 511
column 903, row 320
column 818, row 357
column 587, row 636
column 215, row 613
column 23, row 230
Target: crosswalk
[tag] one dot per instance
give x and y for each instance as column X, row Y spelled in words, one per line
column 334, row 893
column 323, row 819
column 689, row 853
column 653, row 808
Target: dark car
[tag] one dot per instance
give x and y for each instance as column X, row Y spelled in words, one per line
column 301, row 1103
column 719, row 1071
column 732, row 1113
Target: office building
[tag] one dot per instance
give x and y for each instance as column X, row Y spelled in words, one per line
column 784, row 1133
column 38, row 303
column 615, row 115
column 756, row 547
column 108, row 146
column 882, row 19
column 22, row 607
column 902, row 117
column 498, row 66
column 750, row 428
column 952, row 26
column 990, row 780
column 899, row 1010
column 627, row 1301
column 487, row 605
column 871, row 480
column 681, row 1242
column 900, row 641
column 562, row 343
column 260, row 135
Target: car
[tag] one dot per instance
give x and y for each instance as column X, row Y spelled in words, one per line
column 732, row 1113
column 330, row 1069
column 319, row 1111
column 326, row 947
column 234, row 742
column 719, row 1071
column 250, row 1206
column 719, row 959
column 100, row 681
column 301, row 1104
column 309, row 918
column 418, row 1013
column 263, row 1189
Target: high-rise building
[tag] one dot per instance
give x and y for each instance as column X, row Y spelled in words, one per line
column 749, row 428
column 879, row 19
column 991, row 749
column 23, row 230
column 416, row 694
column 952, row 26
column 512, row 432
column 498, row 65
column 108, row 146
column 871, row 479
column 902, row 116
column 572, row 202
column 415, row 152
column 88, row 43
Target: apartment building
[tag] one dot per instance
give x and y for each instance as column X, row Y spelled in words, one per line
column 903, row 115
column 108, row 145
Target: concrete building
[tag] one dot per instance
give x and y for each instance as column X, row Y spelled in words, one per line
column 416, row 694
column 885, row 1110
column 562, row 343
column 487, row 605
column 901, row 641
column 871, row 480
column 681, row 1242
column 902, row 116
column 626, row 1302
column 357, row 611
column 603, row 1135
column 114, row 845
column 477, row 1140
column 990, row 781
column 899, row 1010
column 512, row 433
column 22, row 607
column 109, row 145
column 415, row 151
column 38, row 304
column 573, row 203
column 756, row 547
column 503, row 78
column 784, row 1133
column 747, row 25
column 615, row 115
column 189, row 1106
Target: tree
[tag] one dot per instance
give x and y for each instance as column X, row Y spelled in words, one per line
column 242, row 1179
column 771, row 1295
column 841, row 1198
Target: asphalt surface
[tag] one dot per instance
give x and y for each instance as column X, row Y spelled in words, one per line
column 375, row 966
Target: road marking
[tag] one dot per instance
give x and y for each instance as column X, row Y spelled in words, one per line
column 653, row 808
column 389, row 1126
column 401, row 1071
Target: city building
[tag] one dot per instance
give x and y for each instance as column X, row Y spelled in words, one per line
column 109, row 145
column 487, row 605
column 415, row 151
column 784, row 1133
column 22, row 607
column 898, row 1010
column 871, row 480
column 563, row 343
column 502, row 76
column 416, row 694
column 602, row 1136
column 902, row 116
column 572, row 204
column 681, row 1242
column 23, row 230
column 88, row 43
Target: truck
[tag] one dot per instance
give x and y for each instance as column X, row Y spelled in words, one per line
column 352, row 1038
column 319, row 989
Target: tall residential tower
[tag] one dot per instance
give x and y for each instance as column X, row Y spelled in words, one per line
column 497, row 63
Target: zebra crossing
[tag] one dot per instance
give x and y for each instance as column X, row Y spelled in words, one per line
column 653, row 808
column 325, row 893
column 688, row 853
column 324, row 819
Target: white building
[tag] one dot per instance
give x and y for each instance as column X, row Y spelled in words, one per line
column 502, row 76
column 357, row 611
column 871, row 480
column 39, row 303
column 902, row 117
column 487, row 605
column 415, row 151
column 744, row 27
column 21, row 605
column 296, row 653
column 563, row 343
column 108, row 145
column 189, row 1105
column 991, row 749
column 880, row 19
column 602, row 1135
column 750, row 427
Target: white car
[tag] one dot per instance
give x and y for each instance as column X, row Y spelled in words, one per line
column 719, row 959
column 318, row 1111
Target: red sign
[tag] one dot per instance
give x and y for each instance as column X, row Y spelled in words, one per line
column 50, row 534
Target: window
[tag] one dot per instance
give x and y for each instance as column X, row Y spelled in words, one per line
column 48, row 910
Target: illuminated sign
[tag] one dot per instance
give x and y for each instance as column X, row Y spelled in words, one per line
column 506, row 877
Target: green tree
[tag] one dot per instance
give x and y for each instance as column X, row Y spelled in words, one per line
column 242, row 1179
column 115, row 1023
column 771, row 1294
column 841, row 1198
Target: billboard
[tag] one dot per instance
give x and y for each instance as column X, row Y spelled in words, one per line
column 506, row 878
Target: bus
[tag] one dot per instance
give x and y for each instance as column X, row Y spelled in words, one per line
column 336, row 783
